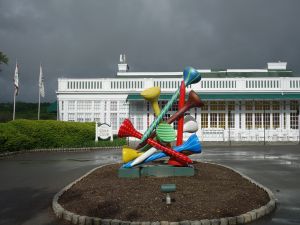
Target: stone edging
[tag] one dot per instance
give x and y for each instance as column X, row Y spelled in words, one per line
column 252, row 215
column 59, row 150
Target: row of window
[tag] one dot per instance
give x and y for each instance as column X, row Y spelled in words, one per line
column 252, row 120
column 99, row 105
column 137, row 121
column 217, row 120
column 206, row 120
column 87, row 105
column 232, row 105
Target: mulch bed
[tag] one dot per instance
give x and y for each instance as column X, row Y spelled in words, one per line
column 214, row 192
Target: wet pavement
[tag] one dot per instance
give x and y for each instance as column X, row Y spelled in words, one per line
column 29, row 181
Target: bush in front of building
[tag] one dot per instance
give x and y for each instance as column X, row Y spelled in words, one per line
column 33, row 134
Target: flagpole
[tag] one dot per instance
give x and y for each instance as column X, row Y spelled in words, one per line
column 39, row 108
column 14, row 112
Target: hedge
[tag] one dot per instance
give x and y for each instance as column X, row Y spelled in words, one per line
column 39, row 134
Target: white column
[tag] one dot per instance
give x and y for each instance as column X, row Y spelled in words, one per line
column 76, row 112
column 271, row 119
column 226, row 117
column 93, row 109
column 103, row 111
column 236, row 115
column 243, row 115
column 108, row 113
column 288, row 118
column 281, row 116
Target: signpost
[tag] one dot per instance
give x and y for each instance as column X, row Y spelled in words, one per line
column 103, row 131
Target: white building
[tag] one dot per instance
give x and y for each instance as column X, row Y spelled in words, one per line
column 241, row 104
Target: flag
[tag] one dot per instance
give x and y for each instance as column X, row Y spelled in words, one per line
column 41, row 82
column 16, row 80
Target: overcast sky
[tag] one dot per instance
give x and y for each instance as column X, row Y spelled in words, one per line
column 83, row 39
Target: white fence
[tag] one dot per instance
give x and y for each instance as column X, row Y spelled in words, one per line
column 266, row 84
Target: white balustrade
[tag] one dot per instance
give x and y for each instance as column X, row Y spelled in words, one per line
column 274, row 84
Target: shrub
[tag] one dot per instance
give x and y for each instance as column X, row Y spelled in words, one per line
column 31, row 134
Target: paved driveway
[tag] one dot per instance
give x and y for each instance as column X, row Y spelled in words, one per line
column 29, row 181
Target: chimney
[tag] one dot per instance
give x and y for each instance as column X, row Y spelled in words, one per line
column 123, row 66
column 277, row 65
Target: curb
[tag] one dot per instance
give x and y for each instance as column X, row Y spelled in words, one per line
column 250, row 216
column 60, row 150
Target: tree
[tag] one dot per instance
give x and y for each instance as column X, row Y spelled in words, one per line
column 3, row 59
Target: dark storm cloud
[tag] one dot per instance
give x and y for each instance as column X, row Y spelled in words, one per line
column 84, row 38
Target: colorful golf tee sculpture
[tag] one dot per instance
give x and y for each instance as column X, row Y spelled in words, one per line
column 160, row 135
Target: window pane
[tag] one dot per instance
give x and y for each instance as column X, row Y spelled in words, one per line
column 205, row 107
column 231, row 121
column 213, row 106
column 266, row 105
column 249, row 105
column 294, row 121
column 266, row 120
column 258, row 120
column 213, row 120
column 231, row 105
column 84, row 105
column 258, row 105
column 294, row 105
column 97, row 106
column 217, row 105
column 71, row 117
column 97, row 117
column 123, row 106
column 248, row 120
column 204, row 120
column 113, row 106
column 113, row 121
column 71, row 105
column 221, row 105
column 276, row 105
column 174, row 107
column 88, row 117
column 276, row 121
column 221, row 120
column 139, row 122
column 80, row 117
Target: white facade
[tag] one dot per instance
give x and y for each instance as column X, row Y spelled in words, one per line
column 241, row 105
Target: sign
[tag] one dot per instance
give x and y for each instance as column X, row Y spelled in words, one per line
column 103, row 131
